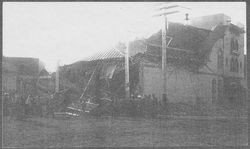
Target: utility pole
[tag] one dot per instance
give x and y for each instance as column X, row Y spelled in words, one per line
column 57, row 77
column 164, row 58
column 127, row 84
column 167, row 9
column 248, row 82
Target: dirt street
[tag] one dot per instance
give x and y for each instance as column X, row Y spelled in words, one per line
column 117, row 132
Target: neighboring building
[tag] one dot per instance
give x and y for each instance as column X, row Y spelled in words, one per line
column 205, row 64
column 234, row 65
column 216, row 81
column 20, row 74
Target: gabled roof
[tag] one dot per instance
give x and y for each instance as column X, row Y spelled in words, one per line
column 217, row 33
column 187, row 38
column 188, row 44
column 206, row 46
column 136, row 46
column 110, row 54
column 185, row 43
column 235, row 29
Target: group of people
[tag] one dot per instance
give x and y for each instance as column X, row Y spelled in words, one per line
column 17, row 106
column 21, row 106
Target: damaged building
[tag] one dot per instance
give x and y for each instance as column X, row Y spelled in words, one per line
column 203, row 65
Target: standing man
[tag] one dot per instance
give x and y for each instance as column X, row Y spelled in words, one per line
column 52, row 104
column 28, row 105
column 14, row 105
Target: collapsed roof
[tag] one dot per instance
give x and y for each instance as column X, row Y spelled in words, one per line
column 189, row 48
column 184, row 46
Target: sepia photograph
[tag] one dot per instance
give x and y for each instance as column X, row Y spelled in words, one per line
column 124, row 74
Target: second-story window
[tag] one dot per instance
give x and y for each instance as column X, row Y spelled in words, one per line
column 234, row 45
column 220, row 59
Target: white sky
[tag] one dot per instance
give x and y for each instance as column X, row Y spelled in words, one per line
column 71, row 31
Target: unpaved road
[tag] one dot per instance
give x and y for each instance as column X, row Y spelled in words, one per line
column 117, row 132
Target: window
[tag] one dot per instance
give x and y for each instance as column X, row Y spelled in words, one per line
column 231, row 65
column 234, row 45
column 220, row 89
column 213, row 90
column 236, row 65
column 220, row 59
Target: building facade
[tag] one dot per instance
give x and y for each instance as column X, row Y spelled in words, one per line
column 20, row 74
